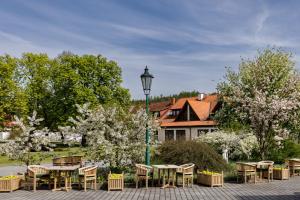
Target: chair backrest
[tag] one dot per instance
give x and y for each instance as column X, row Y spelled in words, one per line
column 142, row 170
column 37, row 170
column 294, row 162
column 88, row 171
column 67, row 161
column 77, row 160
column 245, row 167
column 265, row 164
column 60, row 161
column 187, row 168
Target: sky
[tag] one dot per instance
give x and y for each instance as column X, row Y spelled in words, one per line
column 185, row 43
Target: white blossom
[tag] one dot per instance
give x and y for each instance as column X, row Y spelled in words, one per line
column 114, row 136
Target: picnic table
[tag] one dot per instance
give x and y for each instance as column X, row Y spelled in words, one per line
column 166, row 170
column 67, row 174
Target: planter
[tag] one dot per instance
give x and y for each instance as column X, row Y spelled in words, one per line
column 9, row 183
column 115, row 181
column 210, row 178
column 281, row 174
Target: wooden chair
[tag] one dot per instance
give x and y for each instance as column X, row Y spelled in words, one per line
column 143, row 172
column 88, row 174
column 266, row 167
column 186, row 171
column 293, row 164
column 246, row 170
column 36, row 173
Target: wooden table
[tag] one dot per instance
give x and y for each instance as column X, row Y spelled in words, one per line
column 166, row 169
column 57, row 171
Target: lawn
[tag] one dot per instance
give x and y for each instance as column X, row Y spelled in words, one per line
column 5, row 161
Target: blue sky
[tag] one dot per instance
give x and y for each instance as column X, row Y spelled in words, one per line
column 185, row 43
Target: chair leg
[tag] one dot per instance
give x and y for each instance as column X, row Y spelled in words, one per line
column 95, row 184
column 152, row 181
column 34, row 184
column 84, row 185
column 146, row 182
column 183, row 180
column 136, row 182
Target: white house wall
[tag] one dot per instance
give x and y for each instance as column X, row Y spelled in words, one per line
column 190, row 133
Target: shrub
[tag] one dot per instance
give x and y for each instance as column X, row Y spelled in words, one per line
column 202, row 155
column 289, row 149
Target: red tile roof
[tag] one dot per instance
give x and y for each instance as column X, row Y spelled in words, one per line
column 159, row 106
column 180, row 103
column 188, row 123
column 203, row 108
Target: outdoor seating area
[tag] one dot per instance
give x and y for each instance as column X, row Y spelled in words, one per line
column 62, row 176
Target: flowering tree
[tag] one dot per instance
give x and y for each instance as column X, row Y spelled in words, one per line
column 263, row 95
column 113, row 135
column 236, row 144
column 30, row 139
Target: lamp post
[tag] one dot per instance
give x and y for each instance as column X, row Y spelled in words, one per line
column 146, row 78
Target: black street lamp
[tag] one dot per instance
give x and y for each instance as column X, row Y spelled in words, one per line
column 146, row 78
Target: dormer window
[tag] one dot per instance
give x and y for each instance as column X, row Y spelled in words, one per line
column 173, row 112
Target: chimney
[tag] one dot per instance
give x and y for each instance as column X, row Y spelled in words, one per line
column 173, row 101
column 201, row 96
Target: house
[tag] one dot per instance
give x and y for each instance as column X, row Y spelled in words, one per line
column 188, row 118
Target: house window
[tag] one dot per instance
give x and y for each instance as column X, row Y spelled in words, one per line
column 203, row 131
column 169, row 135
column 180, row 134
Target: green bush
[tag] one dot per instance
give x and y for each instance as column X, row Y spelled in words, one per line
column 202, row 155
column 289, row 149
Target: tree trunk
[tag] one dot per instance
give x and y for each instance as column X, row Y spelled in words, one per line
column 83, row 140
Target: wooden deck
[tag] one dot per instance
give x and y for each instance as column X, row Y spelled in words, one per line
column 276, row 190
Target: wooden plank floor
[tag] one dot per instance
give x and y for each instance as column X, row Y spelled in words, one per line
column 276, row 190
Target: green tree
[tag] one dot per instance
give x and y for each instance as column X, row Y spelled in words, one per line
column 33, row 75
column 78, row 79
column 12, row 97
column 263, row 95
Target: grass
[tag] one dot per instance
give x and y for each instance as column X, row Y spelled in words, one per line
column 5, row 161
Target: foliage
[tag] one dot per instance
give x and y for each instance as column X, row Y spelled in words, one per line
column 239, row 145
column 34, row 76
column 52, row 86
column 207, row 172
column 202, row 155
column 79, row 79
column 167, row 98
column 113, row 135
column 13, row 98
column 288, row 149
column 263, row 95
column 30, row 139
